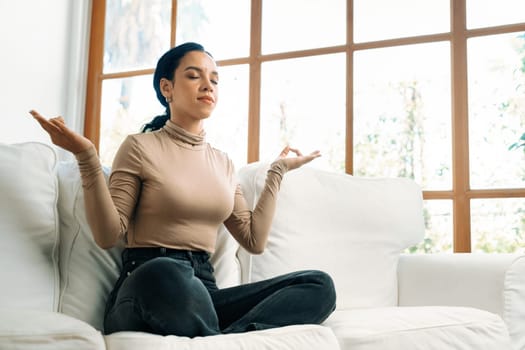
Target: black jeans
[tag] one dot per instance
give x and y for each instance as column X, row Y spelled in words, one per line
column 173, row 292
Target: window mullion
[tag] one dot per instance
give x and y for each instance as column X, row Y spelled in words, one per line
column 95, row 70
column 173, row 23
column 460, row 134
column 349, row 139
column 254, row 109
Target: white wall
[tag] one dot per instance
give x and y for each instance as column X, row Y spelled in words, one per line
column 43, row 63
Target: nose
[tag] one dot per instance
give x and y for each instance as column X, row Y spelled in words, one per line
column 207, row 85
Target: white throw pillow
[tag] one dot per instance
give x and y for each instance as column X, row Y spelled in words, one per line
column 224, row 260
column 29, row 227
column 88, row 272
column 352, row 228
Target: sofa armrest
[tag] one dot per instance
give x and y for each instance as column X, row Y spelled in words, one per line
column 492, row 282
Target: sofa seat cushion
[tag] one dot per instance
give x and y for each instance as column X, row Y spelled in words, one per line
column 304, row 337
column 414, row 328
column 27, row 329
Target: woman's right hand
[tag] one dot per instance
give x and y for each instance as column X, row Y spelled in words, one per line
column 61, row 135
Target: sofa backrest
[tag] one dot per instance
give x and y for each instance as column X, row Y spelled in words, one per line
column 353, row 228
column 28, row 227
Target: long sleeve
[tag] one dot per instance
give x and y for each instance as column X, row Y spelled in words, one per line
column 251, row 228
column 108, row 210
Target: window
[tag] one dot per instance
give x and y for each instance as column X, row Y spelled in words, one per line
column 433, row 92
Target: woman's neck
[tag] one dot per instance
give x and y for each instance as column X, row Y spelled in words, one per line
column 184, row 137
column 191, row 126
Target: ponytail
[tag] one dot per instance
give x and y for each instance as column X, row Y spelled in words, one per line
column 157, row 123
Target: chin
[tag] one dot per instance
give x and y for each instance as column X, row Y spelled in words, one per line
column 205, row 114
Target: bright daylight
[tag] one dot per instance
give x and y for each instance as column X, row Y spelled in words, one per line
column 262, row 174
column 402, row 122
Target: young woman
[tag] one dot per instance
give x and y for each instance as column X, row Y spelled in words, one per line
column 168, row 193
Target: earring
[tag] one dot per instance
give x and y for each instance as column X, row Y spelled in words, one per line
column 168, row 99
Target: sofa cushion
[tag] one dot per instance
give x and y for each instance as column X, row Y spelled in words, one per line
column 89, row 272
column 353, row 228
column 224, row 260
column 307, row 337
column 492, row 282
column 29, row 330
column 29, row 226
column 414, row 328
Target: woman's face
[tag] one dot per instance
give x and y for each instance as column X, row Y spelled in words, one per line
column 194, row 90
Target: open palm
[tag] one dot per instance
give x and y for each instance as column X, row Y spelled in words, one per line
column 299, row 160
column 61, row 135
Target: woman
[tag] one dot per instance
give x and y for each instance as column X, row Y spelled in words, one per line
column 168, row 193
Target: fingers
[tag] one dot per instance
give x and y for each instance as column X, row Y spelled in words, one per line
column 289, row 149
column 300, row 159
column 53, row 125
column 44, row 123
column 315, row 154
column 296, row 151
column 59, row 123
column 35, row 114
column 284, row 152
column 39, row 118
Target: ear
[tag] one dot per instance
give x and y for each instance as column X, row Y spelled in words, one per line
column 166, row 87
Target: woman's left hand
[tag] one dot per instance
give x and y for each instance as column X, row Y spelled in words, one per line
column 299, row 160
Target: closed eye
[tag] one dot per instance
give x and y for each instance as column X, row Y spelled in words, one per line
column 194, row 74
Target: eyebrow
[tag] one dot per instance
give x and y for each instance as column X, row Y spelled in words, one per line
column 200, row 70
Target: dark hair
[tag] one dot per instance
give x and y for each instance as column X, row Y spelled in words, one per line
column 166, row 67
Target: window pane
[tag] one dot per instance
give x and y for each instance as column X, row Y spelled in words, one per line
column 485, row 13
column 496, row 70
column 127, row 104
column 303, row 104
column 386, row 19
column 438, row 224
column 227, row 128
column 402, row 114
column 136, row 34
column 293, row 25
column 498, row 225
column 223, row 27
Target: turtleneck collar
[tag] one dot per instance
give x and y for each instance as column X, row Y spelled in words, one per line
column 186, row 137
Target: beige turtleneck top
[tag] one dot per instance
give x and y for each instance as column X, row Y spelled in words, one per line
column 170, row 188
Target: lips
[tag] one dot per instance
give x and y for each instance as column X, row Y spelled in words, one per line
column 206, row 99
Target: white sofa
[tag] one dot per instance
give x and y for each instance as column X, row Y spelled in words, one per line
column 55, row 279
